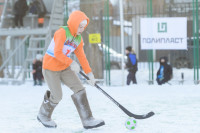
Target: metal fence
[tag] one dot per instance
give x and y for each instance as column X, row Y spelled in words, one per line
column 133, row 11
column 105, row 19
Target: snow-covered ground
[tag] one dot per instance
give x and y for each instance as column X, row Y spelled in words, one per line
column 176, row 107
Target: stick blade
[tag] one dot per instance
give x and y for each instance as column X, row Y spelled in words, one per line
column 148, row 115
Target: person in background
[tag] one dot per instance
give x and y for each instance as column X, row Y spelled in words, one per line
column 20, row 8
column 41, row 11
column 37, row 70
column 59, row 68
column 38, row 7
column 131, row 65
column 164, row 73
column 33, row 7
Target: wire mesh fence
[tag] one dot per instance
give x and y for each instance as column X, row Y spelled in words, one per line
column 133, row 11
column 105, row 18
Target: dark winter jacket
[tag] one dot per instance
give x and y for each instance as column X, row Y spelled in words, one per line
column 37, row 66
column 132, row 62
column 40, row 7
column 20, row 7
column 167, row 73
column 33, row 8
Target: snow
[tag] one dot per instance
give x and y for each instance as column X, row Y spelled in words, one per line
column 176, row 107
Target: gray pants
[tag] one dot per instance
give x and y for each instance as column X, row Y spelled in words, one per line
column 54, row 79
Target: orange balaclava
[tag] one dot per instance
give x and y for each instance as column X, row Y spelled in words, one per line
column 75, row 19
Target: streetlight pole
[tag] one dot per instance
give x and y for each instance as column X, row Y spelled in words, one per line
column 122, row 37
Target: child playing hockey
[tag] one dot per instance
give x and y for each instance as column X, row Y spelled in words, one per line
column 59, row 67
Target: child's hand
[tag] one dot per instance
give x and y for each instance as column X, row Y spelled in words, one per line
column 33, row 71
column 91, row 80
column 75, row 67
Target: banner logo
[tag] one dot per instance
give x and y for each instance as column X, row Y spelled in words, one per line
column 162, row 27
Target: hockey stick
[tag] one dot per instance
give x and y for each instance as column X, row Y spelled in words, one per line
column 119, row 105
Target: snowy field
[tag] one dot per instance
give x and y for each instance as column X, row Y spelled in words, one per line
column 176, row 107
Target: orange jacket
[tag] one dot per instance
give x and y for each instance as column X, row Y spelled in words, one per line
column 60, row 61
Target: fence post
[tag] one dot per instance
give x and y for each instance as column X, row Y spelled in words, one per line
column 197, row 38
column 195, row 41
column 150, row 52
column 107, row 42
column 66, row 12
